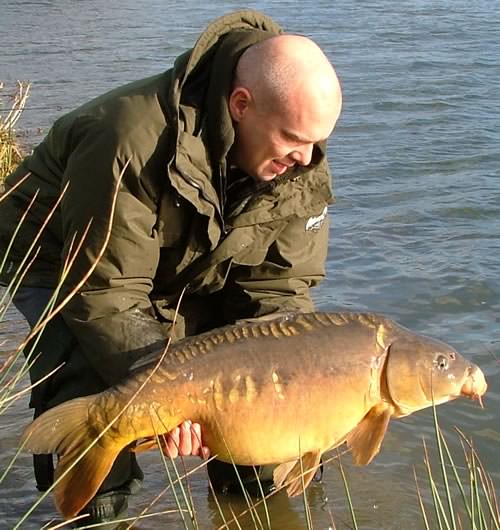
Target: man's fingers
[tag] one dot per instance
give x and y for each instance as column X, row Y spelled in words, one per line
column 195, row 439
column 185, row 439
column 198, row 448
column 171, row 447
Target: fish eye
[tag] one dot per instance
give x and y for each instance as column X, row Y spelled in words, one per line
column 441, row 362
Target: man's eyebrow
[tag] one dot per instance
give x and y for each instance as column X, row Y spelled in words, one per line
column 296, row 137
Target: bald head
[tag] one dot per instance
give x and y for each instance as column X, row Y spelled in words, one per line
column 287, row 70
column 285, row 99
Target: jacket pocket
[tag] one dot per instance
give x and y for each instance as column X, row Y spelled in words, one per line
column 175, row 216
column 250, row 256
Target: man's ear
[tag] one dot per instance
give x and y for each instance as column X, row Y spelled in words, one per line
column 239, row 101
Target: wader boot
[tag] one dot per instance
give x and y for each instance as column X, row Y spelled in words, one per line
column 109, row 508
column 228, row 478
column 257, row 481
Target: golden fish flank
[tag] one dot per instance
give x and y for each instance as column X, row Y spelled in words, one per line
column 245, row 385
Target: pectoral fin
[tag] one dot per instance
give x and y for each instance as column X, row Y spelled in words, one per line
column 365, row 439
column 281, row 472
column 295, row 475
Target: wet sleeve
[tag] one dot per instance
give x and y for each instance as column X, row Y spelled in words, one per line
column 111, row 313
column 293, row 264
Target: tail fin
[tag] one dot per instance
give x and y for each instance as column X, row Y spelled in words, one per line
column 64, row 430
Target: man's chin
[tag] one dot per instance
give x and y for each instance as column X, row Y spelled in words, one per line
column 265, row 178
column 265, row 175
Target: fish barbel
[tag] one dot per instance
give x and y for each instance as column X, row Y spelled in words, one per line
column 280, row 391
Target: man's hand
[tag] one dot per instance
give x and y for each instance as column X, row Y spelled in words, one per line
column 184, row 440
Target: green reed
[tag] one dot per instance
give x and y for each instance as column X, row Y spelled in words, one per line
column 463, row 494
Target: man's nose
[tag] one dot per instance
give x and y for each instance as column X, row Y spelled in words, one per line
column 302, row 155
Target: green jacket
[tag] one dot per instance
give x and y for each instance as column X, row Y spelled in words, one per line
column 238, row 251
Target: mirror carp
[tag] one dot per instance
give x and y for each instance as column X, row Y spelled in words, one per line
column 278, row 391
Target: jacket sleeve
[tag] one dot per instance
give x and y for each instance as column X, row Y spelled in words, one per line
column 111, row 314
column 293, row 264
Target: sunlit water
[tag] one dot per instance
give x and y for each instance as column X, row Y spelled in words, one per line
column 415, row 230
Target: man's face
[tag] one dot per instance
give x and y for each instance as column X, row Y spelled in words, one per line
column 269, row 142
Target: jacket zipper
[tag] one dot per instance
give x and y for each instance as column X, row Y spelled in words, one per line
column 216, row 206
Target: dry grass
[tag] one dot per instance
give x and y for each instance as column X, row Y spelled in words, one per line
column 11, row 108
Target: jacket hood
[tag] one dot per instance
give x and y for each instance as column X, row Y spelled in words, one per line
column 203, row 75
column 240, row 20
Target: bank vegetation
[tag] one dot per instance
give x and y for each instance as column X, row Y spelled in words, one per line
column 12, row 104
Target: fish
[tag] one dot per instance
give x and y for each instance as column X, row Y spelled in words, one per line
column 279, row 391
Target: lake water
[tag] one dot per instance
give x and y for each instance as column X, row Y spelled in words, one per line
column 415, row 230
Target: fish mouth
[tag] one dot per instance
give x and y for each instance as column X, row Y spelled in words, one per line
column 475, row 385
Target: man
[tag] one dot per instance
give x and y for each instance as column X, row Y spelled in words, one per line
column 223, row 194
